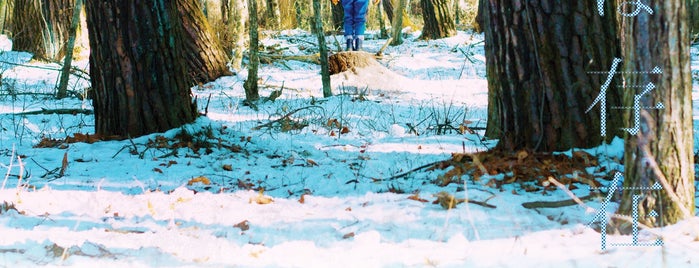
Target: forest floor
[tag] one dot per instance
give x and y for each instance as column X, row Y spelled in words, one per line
column 361, row 179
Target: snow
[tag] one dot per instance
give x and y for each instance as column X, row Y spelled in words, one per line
column 329, row 197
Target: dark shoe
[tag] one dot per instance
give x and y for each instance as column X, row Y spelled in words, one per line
column 357, row 44
column 350, row 45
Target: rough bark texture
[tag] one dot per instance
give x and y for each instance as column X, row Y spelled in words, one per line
column 538, row 58
column 136, row 67
column 325, row 76
column 438, row 21
column 251, row 90
column 206, row 59
column 41, row 27
column 665, row 135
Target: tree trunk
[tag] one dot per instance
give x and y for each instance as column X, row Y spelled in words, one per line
column 206, row 59
column 301, row 7
column 539, row 85
column 397, row 24
column 41, row 27
column 136, row 68
column 273, row 15
column 5, row 15
column 233, row 14
column 388, row 8
column 383, row 33
column 693, row 10
column 437, row 18
column 324, row 73
column 251, row 91
column 664, row 137
column 68, row 61
column 338, row 14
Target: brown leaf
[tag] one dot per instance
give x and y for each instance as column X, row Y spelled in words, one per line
column 416, row 197
column 311, row 162
column 201, row 179
column 64, row 165
column 261, row 199
column 302, row 200
column 243, row 225
column 228, row 167
column 521, row 155
column 344, row 130
column 348, row 235
column 158, row 170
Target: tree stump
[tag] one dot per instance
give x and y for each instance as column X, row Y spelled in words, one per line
column 348, row 60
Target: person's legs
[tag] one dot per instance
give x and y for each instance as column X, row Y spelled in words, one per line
column 348, row 6
column 359, row 19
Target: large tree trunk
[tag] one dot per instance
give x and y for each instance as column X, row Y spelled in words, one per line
column 206, row 60
column 137, row 68
column 437, row 18
column 251, row 90
column 41, row 27
column 538, row 61
column 660, row 149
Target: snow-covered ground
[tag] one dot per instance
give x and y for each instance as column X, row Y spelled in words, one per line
column 332, row 195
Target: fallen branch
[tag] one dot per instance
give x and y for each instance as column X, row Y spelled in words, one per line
column 54, row 111
column 561, row 203
column 313, row 58
column 380, row 53
column 270, row 124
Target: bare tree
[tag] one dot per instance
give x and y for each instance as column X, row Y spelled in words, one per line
column 325, row 74
column 251, row 91
column 41, row 27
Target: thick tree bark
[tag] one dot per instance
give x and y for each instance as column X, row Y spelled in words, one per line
column 41, row 27
column 539, row 59
column 438, row 21
column 206, row 59
column 137, row 69
column 664, row 136
column 251, row 90
column 324, row 73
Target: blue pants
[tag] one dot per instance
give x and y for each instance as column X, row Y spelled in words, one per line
column 355, row 17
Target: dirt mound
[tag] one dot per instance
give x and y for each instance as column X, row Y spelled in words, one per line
column 358, row 71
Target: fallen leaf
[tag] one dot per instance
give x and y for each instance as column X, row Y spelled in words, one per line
column 243, row 225
column 158, row 170
column 311, row 162
column 348, row 235
column 261, row 199
column 302, row 200
column 417, row 198
column 201, row 179
column 344, row 130
column 521, row 155
column 228, row 167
